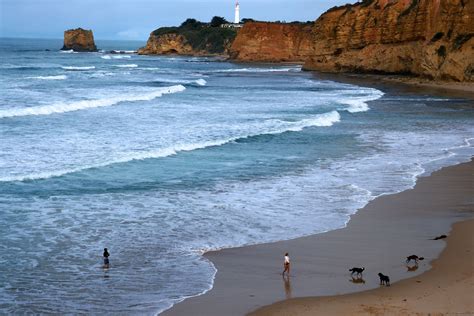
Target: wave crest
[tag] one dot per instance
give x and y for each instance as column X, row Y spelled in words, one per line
column 127, row 66
column 88, row 104
column 78, row 67
column 268, row 127
column 60, row 77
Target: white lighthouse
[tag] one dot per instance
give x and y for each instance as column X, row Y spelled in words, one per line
column 237, row 13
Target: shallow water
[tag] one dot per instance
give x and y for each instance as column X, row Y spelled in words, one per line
column 162, row 158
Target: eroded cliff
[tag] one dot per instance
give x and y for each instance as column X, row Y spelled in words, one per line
column 79, row 40
column 273, row 42
column 190, row 38
column 428, row 38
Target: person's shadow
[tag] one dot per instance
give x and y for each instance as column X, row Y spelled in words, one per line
column 357, row 280
column 287, row 286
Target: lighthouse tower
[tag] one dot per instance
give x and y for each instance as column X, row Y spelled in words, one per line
column 237, row 13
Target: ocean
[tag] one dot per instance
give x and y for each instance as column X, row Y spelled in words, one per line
column 160, row 159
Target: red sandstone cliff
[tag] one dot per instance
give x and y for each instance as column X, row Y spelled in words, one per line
column 166, row 44
column 272, row 42
column 79, row 40
column 428, row 38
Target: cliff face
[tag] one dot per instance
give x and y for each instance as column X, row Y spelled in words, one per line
column 429, row 38
column 191, row 38
column 79, row 40
column 166, row 44
column 272, row 42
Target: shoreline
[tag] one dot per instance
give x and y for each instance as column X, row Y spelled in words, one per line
column 444, row 289
column 249, row 277
column 407, row 83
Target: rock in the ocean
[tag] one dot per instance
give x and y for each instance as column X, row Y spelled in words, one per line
column 79, row 40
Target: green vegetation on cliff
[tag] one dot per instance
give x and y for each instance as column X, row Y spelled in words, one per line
column 209, row 37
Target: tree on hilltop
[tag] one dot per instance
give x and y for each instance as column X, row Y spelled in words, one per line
column 218, row 21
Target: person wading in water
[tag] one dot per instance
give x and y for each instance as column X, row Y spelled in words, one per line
column 106, row 258
column 286, row 265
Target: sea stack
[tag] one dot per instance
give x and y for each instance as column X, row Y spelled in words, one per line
column 79, row 40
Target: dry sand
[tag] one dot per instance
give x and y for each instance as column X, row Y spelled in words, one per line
column 378, row 237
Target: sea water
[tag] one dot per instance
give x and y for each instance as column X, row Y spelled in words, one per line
column 162, row 158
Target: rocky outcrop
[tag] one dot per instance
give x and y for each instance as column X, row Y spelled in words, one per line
column 79, row 40
column 191, row 38
column 427, row 38
column 273, row 42
column 166, row 44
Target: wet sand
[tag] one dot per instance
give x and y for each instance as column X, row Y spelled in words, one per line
column 446, row 289
column 378, row 237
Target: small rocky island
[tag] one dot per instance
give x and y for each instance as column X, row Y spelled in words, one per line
column 192, row 37
column 79, row 40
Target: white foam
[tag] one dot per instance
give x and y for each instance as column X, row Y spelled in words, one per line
column 320, row 120
column 60, row 77
column 115, row 56
column 124, row 51
column 127, row 66
column 268, row 127
column 78, row 67
column 71, row 51
column 359, row 104
column 259, row 69
column 100, row 74
column 88, row 104
column 201, row 82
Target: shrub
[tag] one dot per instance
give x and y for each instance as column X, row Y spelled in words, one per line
column 441, row 51
column 461, row 39
column 218, row 21
column 437, row 37
column 202, row 36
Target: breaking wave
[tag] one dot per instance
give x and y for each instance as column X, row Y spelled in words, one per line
column 60, row 77
column 267, row 127
column 115, row 56
column 78, row 67
column 89, row 104
column 127, row 66
column 295, row 69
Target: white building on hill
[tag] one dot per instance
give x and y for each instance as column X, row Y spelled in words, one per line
column 236, row 23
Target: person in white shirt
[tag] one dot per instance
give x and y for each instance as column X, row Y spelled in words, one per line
column 286, row 264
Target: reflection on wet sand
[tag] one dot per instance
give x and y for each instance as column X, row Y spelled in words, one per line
column 287, row 286
column 412, row 268
column 357, row 280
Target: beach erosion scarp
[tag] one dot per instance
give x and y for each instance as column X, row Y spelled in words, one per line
column 379, row 237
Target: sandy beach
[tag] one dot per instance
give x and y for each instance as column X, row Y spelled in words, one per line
column 445, row 289
column 378, row 237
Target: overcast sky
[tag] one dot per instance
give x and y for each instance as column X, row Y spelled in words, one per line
column 135, row 19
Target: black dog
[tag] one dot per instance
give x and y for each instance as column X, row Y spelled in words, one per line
column 384, row 279
column 357, row 270
column 414, row 257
